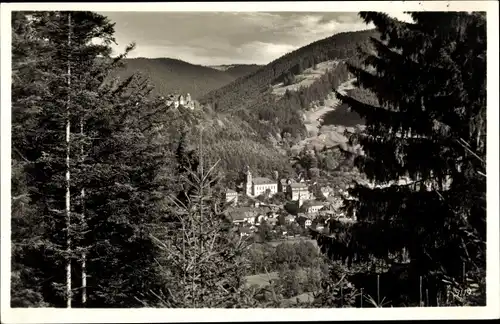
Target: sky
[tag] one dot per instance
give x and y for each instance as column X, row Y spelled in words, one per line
column 214, row 38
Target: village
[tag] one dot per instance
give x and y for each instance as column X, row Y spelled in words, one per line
column 287, row 208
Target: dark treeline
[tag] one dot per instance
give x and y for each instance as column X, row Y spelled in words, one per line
column 420, row 129
column 228, row 139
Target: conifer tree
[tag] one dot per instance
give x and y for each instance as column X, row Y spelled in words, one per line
column 429, row 126
column 116, row 157
column 203, row 263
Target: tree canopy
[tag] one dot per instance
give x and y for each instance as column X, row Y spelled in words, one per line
column 428, row 126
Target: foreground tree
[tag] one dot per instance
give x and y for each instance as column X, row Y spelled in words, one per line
column 87, row 156
column 430, row 126
column 203, row 259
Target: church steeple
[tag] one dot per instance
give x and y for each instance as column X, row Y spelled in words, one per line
column 248, row 182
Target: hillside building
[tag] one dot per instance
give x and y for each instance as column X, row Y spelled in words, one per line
column 298, row 191
column 259, row 185
column 313, row 206
column 176, row 101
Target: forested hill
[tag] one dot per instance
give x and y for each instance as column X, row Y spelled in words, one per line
column 228, row 140
column 171, row 75
column 251, row 97
column 238, row 70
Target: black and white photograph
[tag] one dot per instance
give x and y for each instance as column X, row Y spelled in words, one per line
column 276, row 157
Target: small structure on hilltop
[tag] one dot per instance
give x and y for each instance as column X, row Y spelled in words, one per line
column 179, row 100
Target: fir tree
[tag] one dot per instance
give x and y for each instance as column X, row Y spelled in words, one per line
column 116, row 156
column 204, row 263
column 429, row 125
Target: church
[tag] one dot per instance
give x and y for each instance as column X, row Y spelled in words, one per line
column 259, row 185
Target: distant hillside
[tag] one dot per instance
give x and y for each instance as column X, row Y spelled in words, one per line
column 171, row 75
column 228, row 139
column 238, row 70
column 253, row 97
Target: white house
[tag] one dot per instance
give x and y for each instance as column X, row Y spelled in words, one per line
column 313, row 206
column 231, row 196
column 298, row 192
column 242, row 215
column 304, row 221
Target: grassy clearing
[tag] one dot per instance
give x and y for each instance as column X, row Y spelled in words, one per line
column 306, row 78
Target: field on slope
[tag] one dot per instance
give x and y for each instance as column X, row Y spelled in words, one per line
column 326, row 124
column 314, row 119
column 170, row 75
column 306, row 78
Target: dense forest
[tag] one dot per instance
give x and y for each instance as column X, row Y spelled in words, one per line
column 418, row 130
column 117, row 199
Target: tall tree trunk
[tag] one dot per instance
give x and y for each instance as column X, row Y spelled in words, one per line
column 69, row 292
column 84, row 255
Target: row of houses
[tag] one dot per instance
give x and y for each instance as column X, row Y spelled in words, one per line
column 253, row 215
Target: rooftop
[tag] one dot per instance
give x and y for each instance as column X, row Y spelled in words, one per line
column 230, row 191
column 260, row 181
column 298, row 185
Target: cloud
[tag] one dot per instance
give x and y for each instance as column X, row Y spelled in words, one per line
column 227, row 37
column 257, row 51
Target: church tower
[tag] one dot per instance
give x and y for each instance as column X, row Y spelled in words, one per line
column 248, row 182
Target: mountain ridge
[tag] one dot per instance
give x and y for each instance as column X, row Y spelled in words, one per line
column 237, row 70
